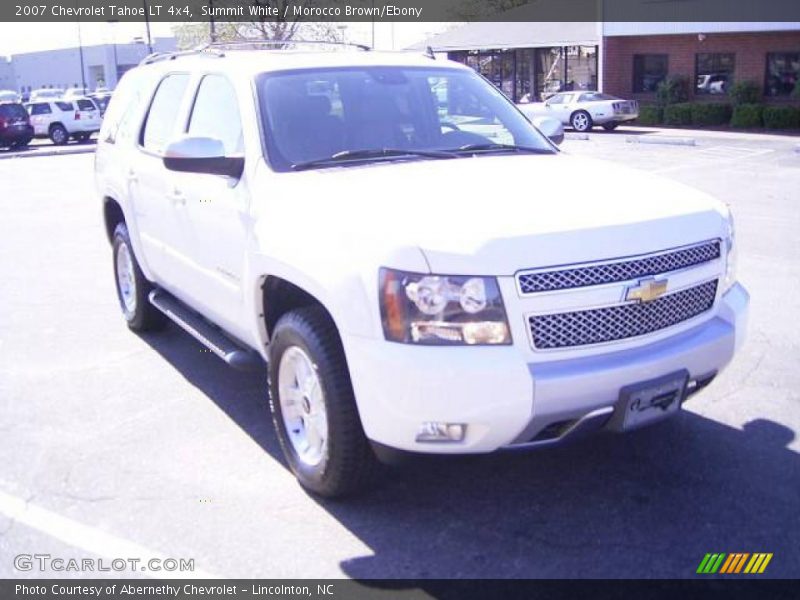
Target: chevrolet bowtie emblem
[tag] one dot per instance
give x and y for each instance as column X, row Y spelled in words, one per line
column 647, row 290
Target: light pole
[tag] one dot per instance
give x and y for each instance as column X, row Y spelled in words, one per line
column 114, row 42
column 147, row 26
column 212, row 25
column 80, row 49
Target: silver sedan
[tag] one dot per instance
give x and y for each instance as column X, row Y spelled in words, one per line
column 583, row 110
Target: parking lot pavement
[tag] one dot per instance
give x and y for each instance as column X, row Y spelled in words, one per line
column 39, row 148
column 159, row 447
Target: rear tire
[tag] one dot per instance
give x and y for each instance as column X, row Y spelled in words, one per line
column 132, row 286
column 59, row 135
column 581, row 121
column 313, row 406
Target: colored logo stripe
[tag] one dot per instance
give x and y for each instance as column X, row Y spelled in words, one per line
column 734, row 563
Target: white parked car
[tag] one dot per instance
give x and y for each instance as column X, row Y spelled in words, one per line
column 46, row 94
column 337, row 216
column 61, row 120
column 9, row 96
column 583, row 110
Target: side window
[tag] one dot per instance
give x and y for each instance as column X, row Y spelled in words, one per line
column 163, row 113
column 65, row 106
column 40, row 109
column 86, row 105
column 556, row 99
column 216, row 114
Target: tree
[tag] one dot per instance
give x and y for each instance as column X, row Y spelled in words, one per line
column 280, row 29
column 475, row 10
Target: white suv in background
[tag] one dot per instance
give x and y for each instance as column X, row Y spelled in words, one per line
column 60, row 120
column 391, row 235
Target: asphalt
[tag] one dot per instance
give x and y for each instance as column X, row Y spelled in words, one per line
column 157, row 447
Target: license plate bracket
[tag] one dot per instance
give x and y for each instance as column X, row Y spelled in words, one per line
column 650, row 401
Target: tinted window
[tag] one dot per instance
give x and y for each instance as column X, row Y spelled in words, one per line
column 42, row 108
column 216, row 114
column 13, row 111
column 556, row 99
column 648, row 71
column 596, row 97
column 86, row 105
column 714, row 73
column 783, row 73
column 66, row 106
column 163, row 113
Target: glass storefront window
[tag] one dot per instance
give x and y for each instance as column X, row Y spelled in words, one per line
column 550, row 71
column 714, row 73
column 581, row 68
column 783, row 72
column 648, row 71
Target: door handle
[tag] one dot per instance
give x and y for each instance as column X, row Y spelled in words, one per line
column 177, row 197
column 132, row 176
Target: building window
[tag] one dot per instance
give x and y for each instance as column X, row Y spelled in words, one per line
column 783, row 72
column 714, row 73
column 648, row 71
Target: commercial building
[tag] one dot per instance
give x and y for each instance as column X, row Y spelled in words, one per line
column 103, row 65
column 532, row 60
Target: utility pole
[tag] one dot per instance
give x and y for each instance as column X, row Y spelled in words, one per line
column 80, row 49
column 114, row 42
column 147, row 26
column 212, row 25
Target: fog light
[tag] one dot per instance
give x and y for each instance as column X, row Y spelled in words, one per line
column 441, row 432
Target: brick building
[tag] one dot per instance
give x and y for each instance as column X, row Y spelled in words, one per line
column 637, row 56
column 530, row 61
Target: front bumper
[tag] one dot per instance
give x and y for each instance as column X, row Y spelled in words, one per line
column 506, row 401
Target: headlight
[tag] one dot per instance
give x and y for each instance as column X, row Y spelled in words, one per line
column 730, row 255
column 442, row 309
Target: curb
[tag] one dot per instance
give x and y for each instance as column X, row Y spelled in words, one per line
column 576, row 136
column 662, row 139
column 34, row 153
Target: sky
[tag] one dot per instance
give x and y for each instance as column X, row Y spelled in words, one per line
column 16, row 38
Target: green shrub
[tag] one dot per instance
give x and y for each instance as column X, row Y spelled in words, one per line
column 651, row 115
column 678, row 114
column 747, row 115
column 796, row 90
column 711, row 113
column 781, row 117
column 673, row 90
column 745, row 92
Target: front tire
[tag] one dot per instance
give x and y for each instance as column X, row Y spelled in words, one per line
column 132, row 286
column 313, row 406
column 581, row 121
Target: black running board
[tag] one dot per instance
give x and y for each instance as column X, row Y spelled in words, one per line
column 204, row 332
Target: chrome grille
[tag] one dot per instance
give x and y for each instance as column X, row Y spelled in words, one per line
column 583, row 327
column 562, row 279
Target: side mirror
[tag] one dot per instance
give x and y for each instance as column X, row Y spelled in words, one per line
column 551, row 127
column 191, row 154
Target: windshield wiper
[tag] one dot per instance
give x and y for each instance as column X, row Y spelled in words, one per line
column 357, row 155
column 492, row 147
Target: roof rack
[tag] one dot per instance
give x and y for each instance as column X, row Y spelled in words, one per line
column 217, row 49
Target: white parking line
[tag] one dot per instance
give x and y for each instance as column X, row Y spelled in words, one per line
column 717, row 155
column 87, row 538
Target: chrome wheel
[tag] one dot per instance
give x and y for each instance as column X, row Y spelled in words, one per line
column 580, row 121
column 303, row 406
column 126, row 279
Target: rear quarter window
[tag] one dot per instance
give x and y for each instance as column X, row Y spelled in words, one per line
column 65, row 106
column 86, row 105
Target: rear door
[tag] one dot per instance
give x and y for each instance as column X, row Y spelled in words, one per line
column 151, row 185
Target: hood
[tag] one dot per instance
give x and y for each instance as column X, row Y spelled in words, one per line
column 495, row 215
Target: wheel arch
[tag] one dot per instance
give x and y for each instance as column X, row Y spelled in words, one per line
column 113, row 215
column 280, row 296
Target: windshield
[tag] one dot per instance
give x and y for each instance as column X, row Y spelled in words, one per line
column 387, row 113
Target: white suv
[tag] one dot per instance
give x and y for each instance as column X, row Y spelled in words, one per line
column 419, row 266
column 60, row 120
